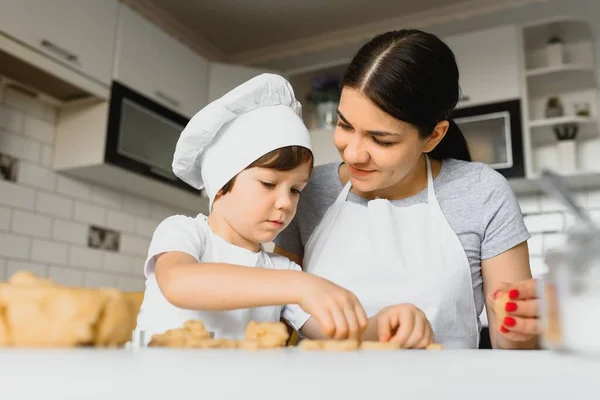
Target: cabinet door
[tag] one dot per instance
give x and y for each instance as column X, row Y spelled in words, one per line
column 77, row 33
column 224, row 77
column 488, row 63
column 159, row 66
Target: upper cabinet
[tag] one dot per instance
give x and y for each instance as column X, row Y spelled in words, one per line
column 77, row 33
column 158, row 66
column 225, row 77
column 488, row 61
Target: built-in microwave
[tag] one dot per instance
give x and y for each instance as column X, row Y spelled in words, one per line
column 494, row 133
column 142, row 135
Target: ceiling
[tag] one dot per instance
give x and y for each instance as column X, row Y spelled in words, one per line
column 236, row 26
column 257, row 32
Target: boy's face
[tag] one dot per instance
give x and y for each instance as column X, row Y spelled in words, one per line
column 263, row 202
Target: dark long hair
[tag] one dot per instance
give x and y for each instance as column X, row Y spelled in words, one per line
column 412, row 76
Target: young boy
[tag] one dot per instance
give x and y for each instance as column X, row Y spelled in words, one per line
column 251, row 153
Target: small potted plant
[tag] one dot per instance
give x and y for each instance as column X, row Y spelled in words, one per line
column 554, row 51
column 325, row 94
column 554, row 108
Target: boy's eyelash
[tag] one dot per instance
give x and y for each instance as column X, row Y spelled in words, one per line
column 268, row 185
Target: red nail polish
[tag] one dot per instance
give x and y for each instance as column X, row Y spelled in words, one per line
column 510, row 306
column 509, row 321
column 513, row 294
column 503, row 329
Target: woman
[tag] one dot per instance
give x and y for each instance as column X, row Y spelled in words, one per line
column 406, row 218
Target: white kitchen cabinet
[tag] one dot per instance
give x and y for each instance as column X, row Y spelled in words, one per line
column 224, row 77
column 76, row 33
column 488, row 63
column 159, row 66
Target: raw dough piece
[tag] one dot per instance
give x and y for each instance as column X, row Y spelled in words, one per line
column 308, row 344
column 340, row 345
column 267, row 334
column 434, row 346
column 500, row 308
column 373, row 345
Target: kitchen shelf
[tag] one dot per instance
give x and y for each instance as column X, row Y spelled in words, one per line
column 555, row 70
column 551, row 122
column 578, row 180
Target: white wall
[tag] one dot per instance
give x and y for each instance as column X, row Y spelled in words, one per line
column 44, row 216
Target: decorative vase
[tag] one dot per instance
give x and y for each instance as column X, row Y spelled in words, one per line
column 554, row 54
column 327, row 114
column 567, row 155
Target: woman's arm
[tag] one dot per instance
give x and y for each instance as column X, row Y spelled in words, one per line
column 499, row 272
column 188, row 284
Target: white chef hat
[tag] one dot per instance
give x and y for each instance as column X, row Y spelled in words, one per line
column 222, row 139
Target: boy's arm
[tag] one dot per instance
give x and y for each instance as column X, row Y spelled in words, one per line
column 188, row 284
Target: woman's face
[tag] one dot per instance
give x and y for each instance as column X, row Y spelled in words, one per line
column 378, row 149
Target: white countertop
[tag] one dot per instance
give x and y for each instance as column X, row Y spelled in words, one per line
column 290, row 373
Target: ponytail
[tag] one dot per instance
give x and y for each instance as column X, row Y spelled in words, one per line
column 453, row 145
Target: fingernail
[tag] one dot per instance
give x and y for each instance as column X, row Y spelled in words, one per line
column 513, row 294
column 509, row 321
column 503, row 329
column 510, row 306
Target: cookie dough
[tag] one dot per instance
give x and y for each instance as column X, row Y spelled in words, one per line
column 373, row 345
column 500, row 308
column 434, row 346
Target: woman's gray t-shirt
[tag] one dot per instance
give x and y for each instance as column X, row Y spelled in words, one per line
column 477, row 201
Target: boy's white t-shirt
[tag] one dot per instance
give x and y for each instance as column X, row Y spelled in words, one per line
column 195, row 237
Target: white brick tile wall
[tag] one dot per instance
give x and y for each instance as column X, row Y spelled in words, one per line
column 159, row 212
column 66, row 276
column 16, row 266
column 14, row 246
column 137, row 206
column 48, row 252
column 145, row 227
column 107, row 197
column 45, row 216
column 134, row 245
column 51, row 204
column 549, row 204
column 3, row 263
column 39, row 130
column 538, row 266
column 31, row 224
column 540, row 223
column 27, row 104
column 536, row 245
column 120, row 221
column 20, row 147
column 85, row 258
column 554, row 240
column 99, row 280
column 92, row 214
column 73, row 187
column 116, row 262
column 529, row 204
column 34, row 175
column 594, row 198
column 5, row 215
column 11, row 119
column 131, row 284
column 47, row 156
column 71, row 232
column 16, row 196
column 137, row 266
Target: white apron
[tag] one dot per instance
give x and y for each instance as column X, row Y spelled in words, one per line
column 388, row 255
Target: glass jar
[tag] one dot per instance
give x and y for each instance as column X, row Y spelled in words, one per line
column 570, row 295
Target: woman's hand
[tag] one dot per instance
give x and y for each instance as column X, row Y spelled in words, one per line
column 404, row 324
column 521, row 322
column 337, row 311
